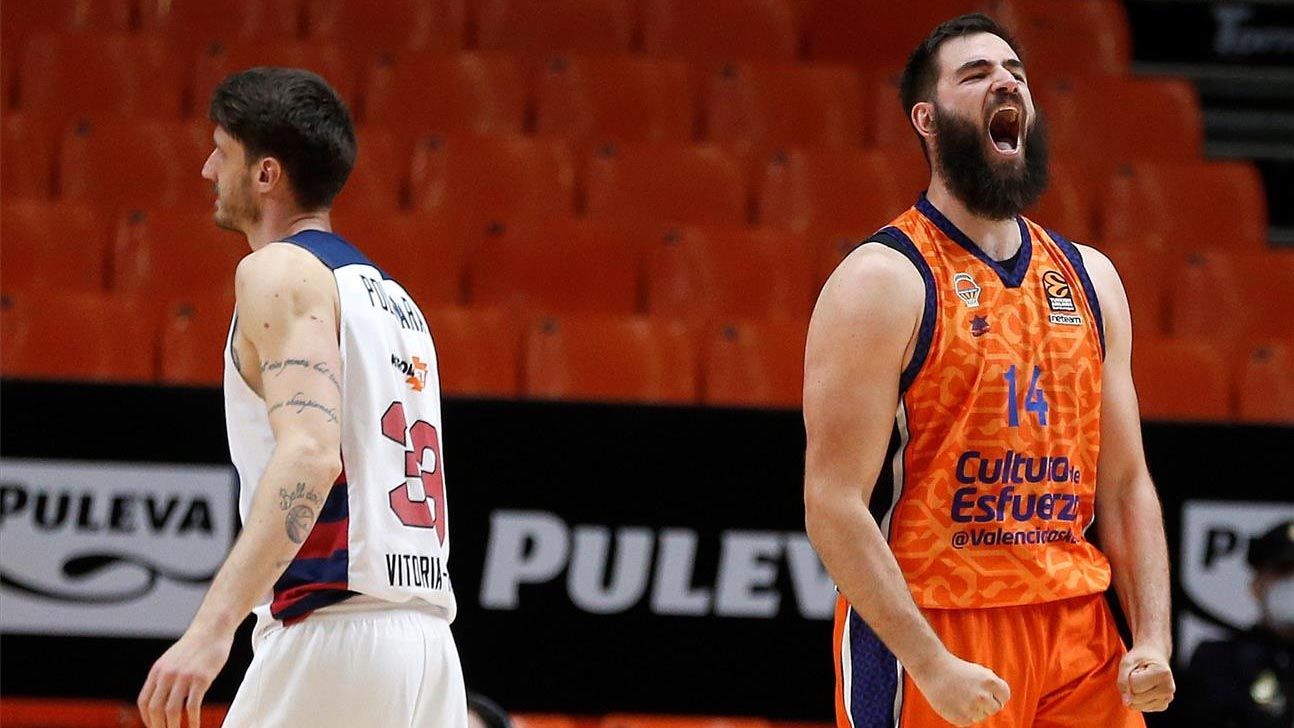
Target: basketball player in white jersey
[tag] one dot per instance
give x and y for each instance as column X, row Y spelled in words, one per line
column 332, row 401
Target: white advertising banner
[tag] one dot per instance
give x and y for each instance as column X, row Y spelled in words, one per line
column 110, row 549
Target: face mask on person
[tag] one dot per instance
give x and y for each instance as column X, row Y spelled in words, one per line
column 1278, row 604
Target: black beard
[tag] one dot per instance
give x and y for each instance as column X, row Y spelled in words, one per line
column 989, row 189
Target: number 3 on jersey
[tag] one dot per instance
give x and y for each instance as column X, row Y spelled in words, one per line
column 423, row 504
column 1035, row 401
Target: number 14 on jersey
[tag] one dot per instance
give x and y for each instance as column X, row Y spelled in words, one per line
column 1035, row 401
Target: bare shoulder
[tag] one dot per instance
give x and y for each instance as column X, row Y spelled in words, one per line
column 873, row 279
column 1099, row 268
column 283, row 271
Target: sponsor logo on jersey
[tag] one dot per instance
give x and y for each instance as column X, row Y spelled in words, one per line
column 415, row 372
column 979, row 326
column 1059, row 295
column 967, row 289
column 1065, row 319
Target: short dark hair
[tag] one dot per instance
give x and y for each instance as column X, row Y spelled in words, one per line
column 296, row 117
column 922, row 70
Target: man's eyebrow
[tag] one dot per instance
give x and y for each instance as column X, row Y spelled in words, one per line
column 1011, row 64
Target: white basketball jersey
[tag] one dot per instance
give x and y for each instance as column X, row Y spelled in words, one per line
column 382, row 530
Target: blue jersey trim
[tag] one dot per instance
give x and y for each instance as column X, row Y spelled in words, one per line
column 874, row 677
column 331, row 249
column 336, row 506
column 1010, row 278
column 329, row 569
column 1075, row 258
column 895, row 239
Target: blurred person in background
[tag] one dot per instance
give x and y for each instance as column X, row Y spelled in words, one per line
column 987, row 362
column 1247, row 681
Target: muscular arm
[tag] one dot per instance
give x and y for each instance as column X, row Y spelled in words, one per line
column 1129, row 520
column 866, row 318
column 287, row 312
column 864, row 321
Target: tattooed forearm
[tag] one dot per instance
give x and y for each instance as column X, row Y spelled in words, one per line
column 300, row 516
column 287, row 498
column 300, row 403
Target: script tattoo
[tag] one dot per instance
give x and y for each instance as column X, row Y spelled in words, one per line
column 300, row 516
column 278, row 367
column 301, row 403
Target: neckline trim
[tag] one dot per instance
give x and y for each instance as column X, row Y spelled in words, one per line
column 1010, row 278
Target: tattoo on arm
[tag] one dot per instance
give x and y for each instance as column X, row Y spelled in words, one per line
column 282, row 365
column 300, row 513
column 301, row 404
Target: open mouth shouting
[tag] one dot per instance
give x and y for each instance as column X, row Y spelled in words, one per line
column 1006, row 130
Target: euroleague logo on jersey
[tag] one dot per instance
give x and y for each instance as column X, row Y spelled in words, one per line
column 415, row 372
column 967, row 289
column 1059, row 295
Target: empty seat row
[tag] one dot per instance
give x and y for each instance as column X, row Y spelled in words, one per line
column 588, row 100
column 1081, row 34
column 482, row 352
column 128, row 162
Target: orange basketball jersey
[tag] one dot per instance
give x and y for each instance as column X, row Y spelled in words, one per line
column 998, row 426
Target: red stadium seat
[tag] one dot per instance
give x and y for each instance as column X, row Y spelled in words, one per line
column 626, row 359
column 27, row 146
column 425, row 252
column 1265, row 384
column 838, row 190
column 1067, row 205
column 719, row 274
column 721, row 30
column 541, row 27
column 372, row 27
column 1185, row 207
column 53, row 245
column 1219, row 296
column 531, row 720
column 380, row 175
column 762, row 108
column 173, row 253
column 558, row 266
column 1179, row 379
column 77, row 335
column 194, row 334
column 199, row 23
column 466, row 93
column 670, row 183
column 754, row 364
column 1072, row 38
column 867, row 33
column 1115, row 120
column 20, row 21
column 486, row 179
column 478, row 351
column 615, row 100
column 338, row 67
column 1145, row 275
column 68, row 77
column 136, row 163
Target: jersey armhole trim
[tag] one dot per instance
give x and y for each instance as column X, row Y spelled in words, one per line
column 895, row 239
column 1075, row 258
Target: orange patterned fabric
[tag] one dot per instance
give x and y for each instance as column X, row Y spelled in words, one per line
column 999, row 423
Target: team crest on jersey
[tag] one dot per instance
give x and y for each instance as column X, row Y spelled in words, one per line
column 1060, row 297
column 967, row 289
column 415, row 372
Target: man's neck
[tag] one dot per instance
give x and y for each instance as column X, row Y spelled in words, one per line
column 999, row 239
column 277, row 226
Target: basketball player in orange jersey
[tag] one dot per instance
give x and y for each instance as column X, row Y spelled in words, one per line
column 994, row 356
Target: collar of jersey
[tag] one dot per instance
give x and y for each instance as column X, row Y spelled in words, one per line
column 1010, row 278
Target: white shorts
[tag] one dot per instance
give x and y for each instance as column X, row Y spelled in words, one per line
column 384, row 667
